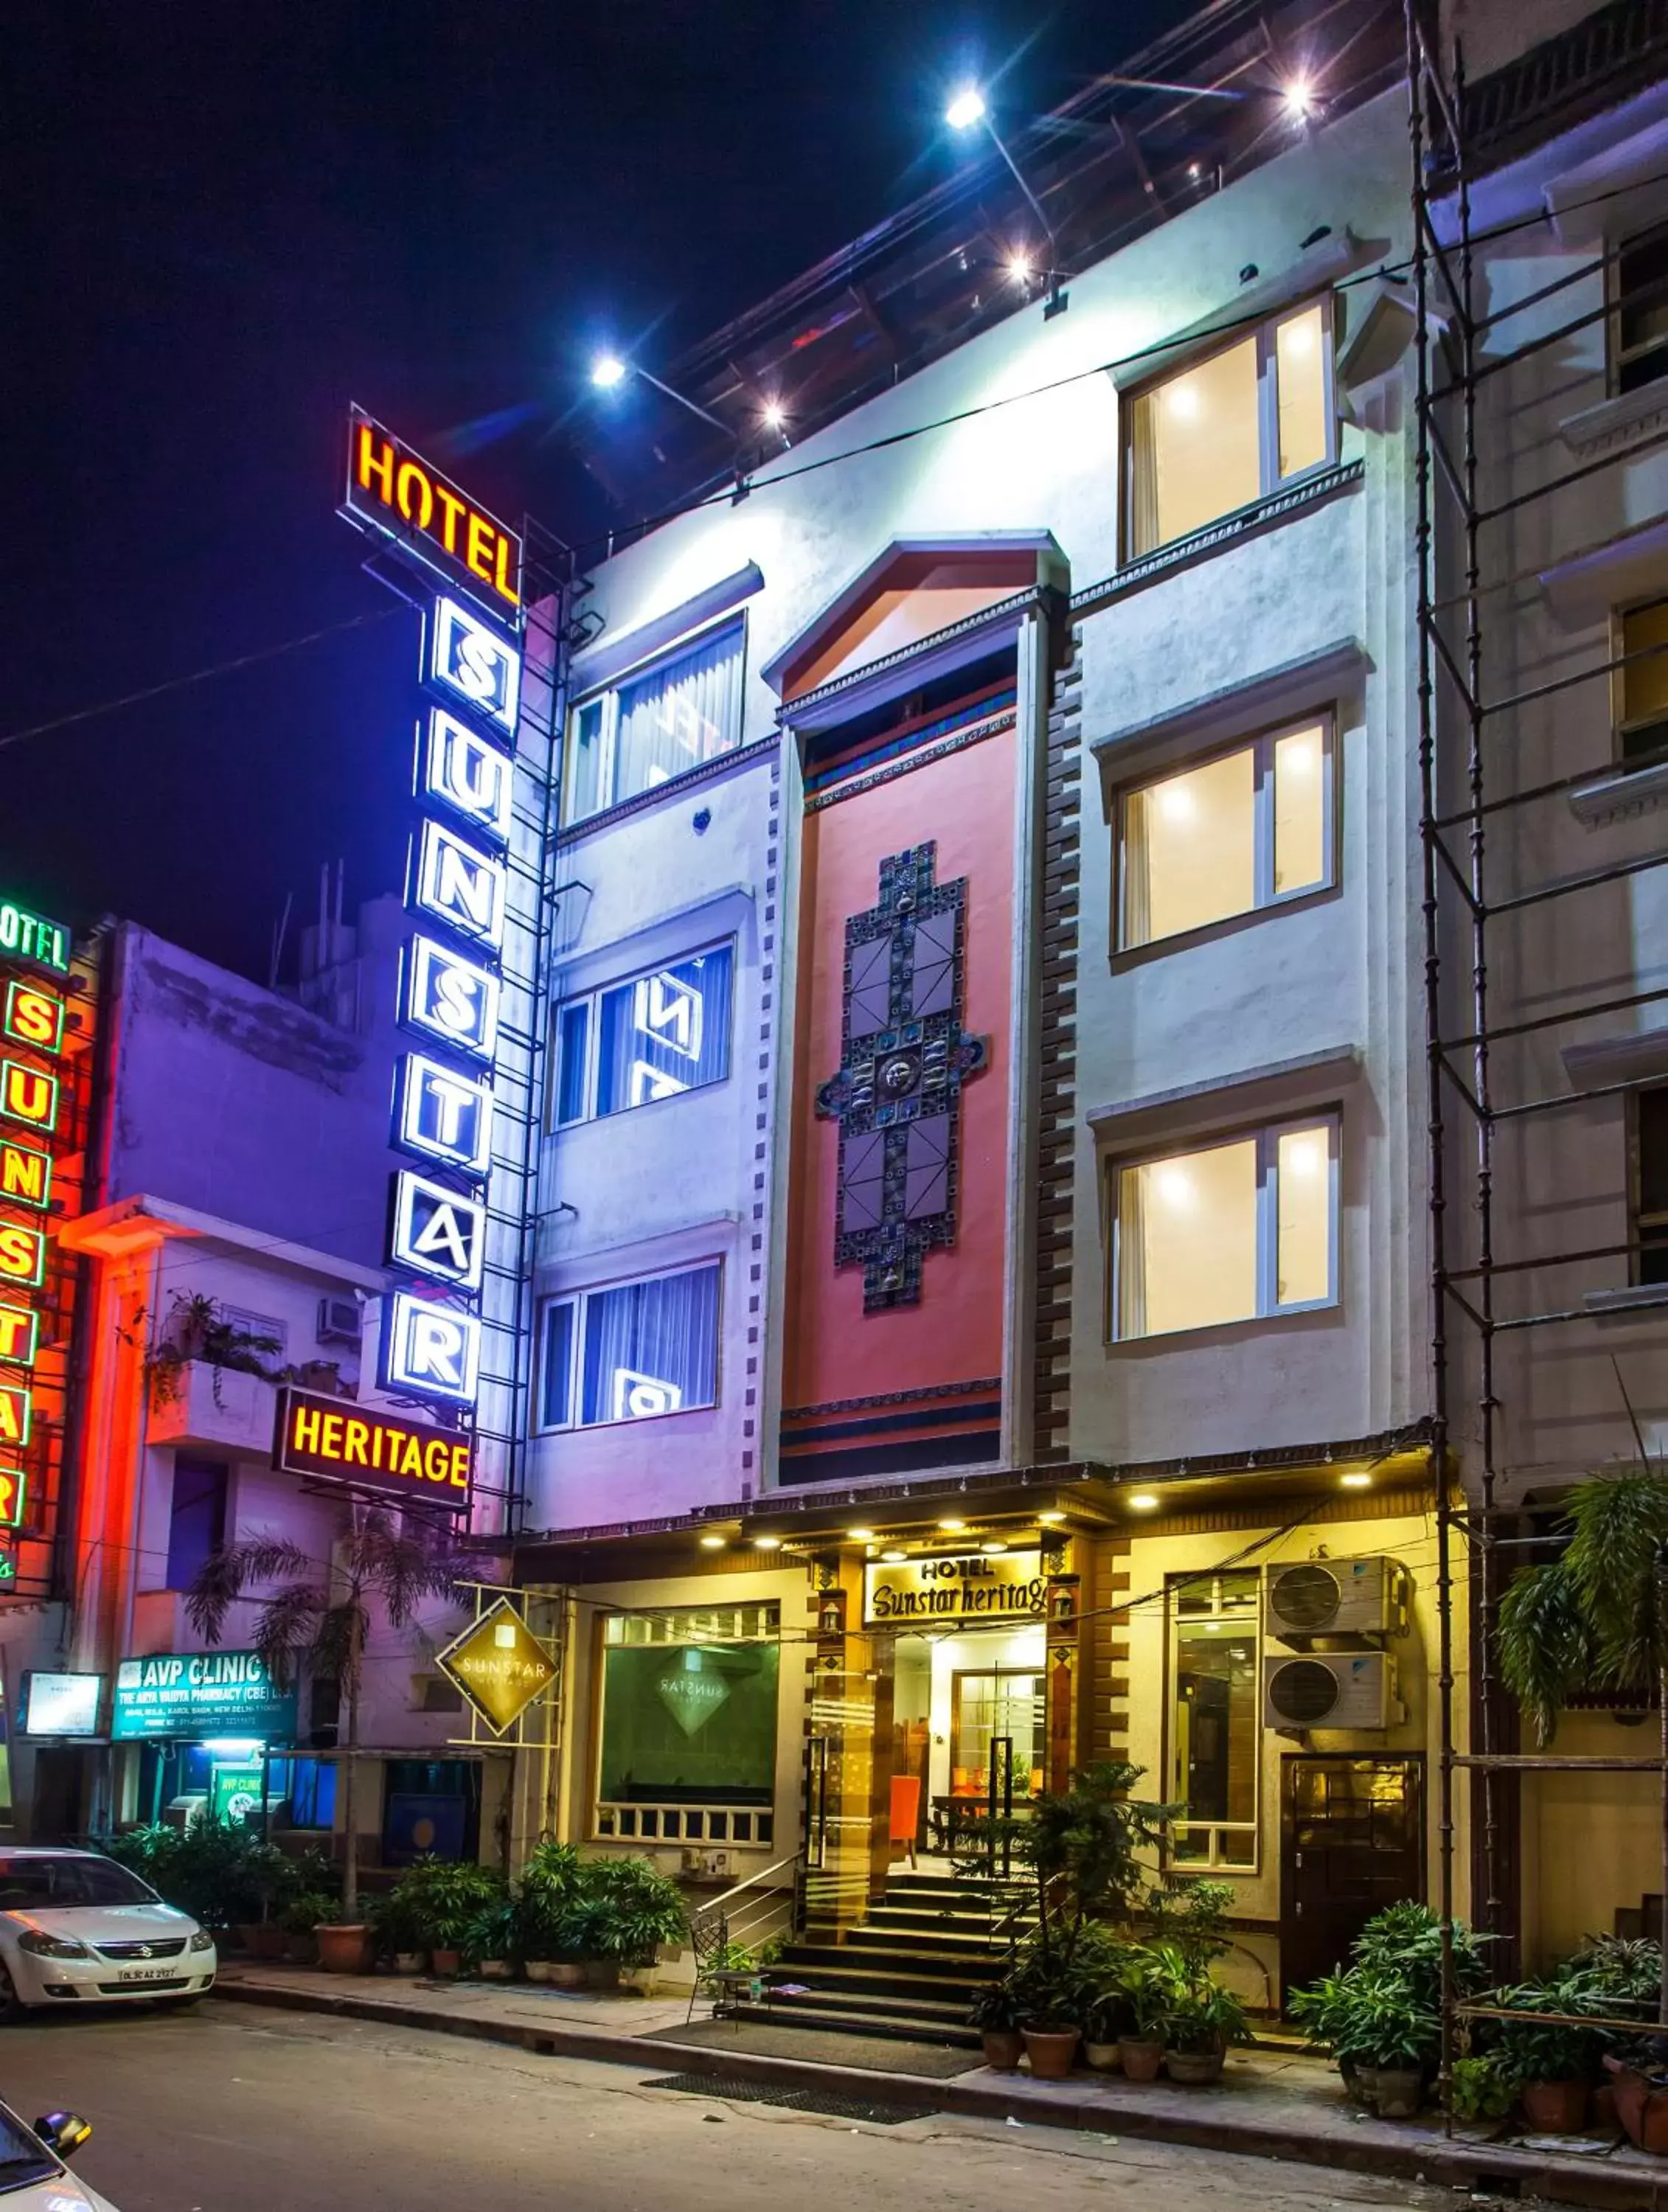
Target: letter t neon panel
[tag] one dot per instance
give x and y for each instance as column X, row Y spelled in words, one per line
column 444, row 1116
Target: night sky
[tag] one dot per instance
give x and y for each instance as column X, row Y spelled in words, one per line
column 226, row 221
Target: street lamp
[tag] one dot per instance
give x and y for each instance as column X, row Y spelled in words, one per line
column 608, row 371
column 965, row 112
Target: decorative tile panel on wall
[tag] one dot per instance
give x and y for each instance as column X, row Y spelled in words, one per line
column 1058, row 1048
column 1104, row 1715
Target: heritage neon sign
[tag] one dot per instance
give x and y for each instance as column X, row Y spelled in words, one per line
column 375, row 1451
column 392, row 490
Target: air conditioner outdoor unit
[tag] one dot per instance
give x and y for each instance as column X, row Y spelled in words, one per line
column 1334, row 1597
column 338, row 1320
column 1328, row 1690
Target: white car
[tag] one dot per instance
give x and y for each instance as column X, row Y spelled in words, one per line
column 77, row 1929
column 32, row 2178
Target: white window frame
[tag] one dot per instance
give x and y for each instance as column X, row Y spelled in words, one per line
column 578, row 1300
column 1268, row 1136
column 1214, row 1861
column 609, row 696
column 1270, row 479
column 593, row 1077
column 1265, row 897
column 1615, row 354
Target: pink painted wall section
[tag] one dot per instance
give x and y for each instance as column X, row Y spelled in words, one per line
column 918, row 599
column 834, row 1350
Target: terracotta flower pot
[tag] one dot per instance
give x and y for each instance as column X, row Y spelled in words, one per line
column 1642, row 2111
column 495, row 1970
column 1051, row 2050
column 446, row 1964
column 1142, row 2057
column 1604, row 2107
column 566, row 1974
column 1555, row 2108
column 408, row 1962
column 344, row 1949
column 1105, row 2057
column 1003, row 2048
column 1200, row 2068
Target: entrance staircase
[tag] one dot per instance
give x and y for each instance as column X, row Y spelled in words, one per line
column 908, row 1972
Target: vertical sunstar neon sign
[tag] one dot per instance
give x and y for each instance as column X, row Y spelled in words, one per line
column 32, row 1025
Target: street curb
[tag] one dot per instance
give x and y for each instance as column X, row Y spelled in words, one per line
column 1473, row 2166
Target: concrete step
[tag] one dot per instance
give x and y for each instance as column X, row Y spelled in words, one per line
column 928, row 1942
column 976, row 1921
column 899, row 1973
column 926, row 2013
column 883, row 2027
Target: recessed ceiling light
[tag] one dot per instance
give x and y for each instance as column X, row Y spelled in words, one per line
column 894, row 1558
column 993, row 1548
column 1362, row 1482
column 1141, row 1501
column 767, row 1543
column 860, row 1535
column 952, row 1528
column 1048, row 1520
column 712, row 1543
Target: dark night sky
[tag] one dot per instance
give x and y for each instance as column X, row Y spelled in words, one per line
column 225, row 220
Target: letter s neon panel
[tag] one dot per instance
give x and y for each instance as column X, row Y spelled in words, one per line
column 469, row 661
column 450, row 997
column 433, row 1350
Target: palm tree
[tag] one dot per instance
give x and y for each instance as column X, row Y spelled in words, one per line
column 320, row 1614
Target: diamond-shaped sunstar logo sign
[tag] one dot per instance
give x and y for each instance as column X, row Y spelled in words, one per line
column 691, row 1695
column 499, row 1665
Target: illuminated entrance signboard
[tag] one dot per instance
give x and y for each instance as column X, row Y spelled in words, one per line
column 394, row 492
column 969, row 1587
column 499, row 1665
column 341, row 1441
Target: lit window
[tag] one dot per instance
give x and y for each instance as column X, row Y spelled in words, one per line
column 1651, row 1185
column 653, row 1036
column 1233, row 1232
column 1246, row 830
column 630, row 1352
column 685, row 710
column 1641, row 311
column 1216, row 1734
column 687, row 1750
column 1641, row 682
column 1223, row 431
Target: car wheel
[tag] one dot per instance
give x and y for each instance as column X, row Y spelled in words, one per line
column 12, row 2007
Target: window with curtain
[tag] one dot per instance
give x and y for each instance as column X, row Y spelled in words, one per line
column 683, row 710
column 654, row 1036
column 630, row 1352
column 1640, row 686
column 1233, row 1231
column 1247, row 828
column 1216, row 1718
column 1640, row 341
column 1228, row 429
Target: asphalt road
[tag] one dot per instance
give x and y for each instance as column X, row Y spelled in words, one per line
column 236, row 2110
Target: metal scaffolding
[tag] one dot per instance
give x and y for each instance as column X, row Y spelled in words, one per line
column 1477, row 842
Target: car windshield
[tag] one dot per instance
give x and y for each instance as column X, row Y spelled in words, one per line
column 55, row 1884
column 22, row 2158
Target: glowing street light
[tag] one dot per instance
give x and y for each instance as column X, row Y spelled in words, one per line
column 1300, row 99
column 606, row 371
column 966, row 109
column 965, row 112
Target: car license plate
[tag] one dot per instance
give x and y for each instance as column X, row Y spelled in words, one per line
column 145, row 1974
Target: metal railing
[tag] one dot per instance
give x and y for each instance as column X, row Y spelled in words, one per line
column 749, row 1913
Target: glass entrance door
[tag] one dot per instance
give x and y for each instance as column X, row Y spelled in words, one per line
column 991, row 1712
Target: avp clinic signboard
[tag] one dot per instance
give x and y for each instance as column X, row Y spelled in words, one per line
column 974, row 1586
column 198, row 1694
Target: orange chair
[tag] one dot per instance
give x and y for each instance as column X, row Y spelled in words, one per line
column 905, row 1810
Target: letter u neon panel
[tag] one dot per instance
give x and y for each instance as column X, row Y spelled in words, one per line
column 444, row 1117
column 460, row 887
column 437, row 1232
column 460, row 770
column 433, row 1350
column 448, row 997
column 473, row 662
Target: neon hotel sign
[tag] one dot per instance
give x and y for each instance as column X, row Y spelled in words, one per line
column 32, row 1025
column 457, row 892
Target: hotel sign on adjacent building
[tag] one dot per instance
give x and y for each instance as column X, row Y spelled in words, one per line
column 972, row 1587
column 341, row 1441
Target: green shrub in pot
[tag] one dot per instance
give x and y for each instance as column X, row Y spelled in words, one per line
column 625, row 1911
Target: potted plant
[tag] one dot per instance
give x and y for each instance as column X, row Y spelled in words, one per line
column 1140, row 2046
column 996, row 2013
column 301, row 1920
column 544, row 1899
column 1106, row 2017
column 321, row 1614
column 1052, row 1997
column 1200, row 2020
column 395, row 1936
column 1380, row 2017
column 1551, row 2063
column 1478, row 2090
column 448, row 1899
column 624, row 1914
column 492, row 1937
